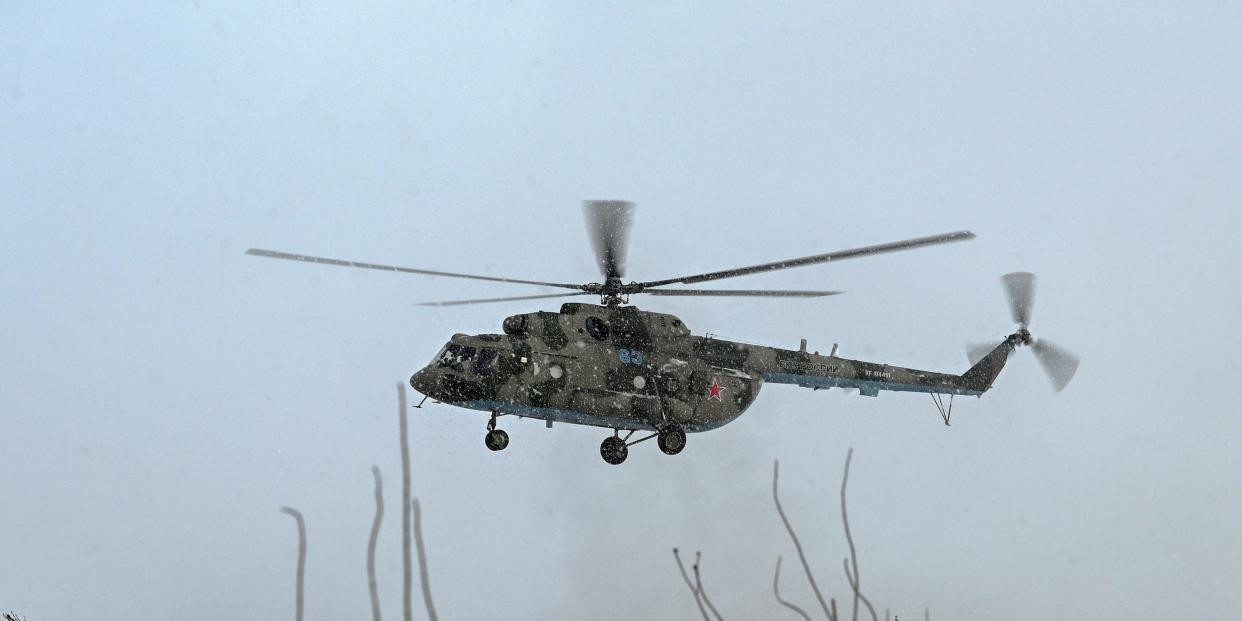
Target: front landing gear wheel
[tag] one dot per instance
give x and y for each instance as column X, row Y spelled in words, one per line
column 613, row 450
column 671, row 440
column 496, row 440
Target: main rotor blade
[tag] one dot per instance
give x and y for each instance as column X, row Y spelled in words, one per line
column 819, row 258
column 756, row 293
column 1020, row 291
column 490, row 300
column 608, row 225
column 1060, row 365
column 258, row 252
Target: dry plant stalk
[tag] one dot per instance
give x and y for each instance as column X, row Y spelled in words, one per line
column 831, row 613
column 301, row 582
column 845, row 519
column 422, row 562
column 698, row 582
column 372, row 583
column 412, row 516
column 693, row 590
column 406, row 563
column 776, row 589
column 850, row 565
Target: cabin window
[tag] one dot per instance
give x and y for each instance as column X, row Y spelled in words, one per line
column 597, row 328
column 488, row 362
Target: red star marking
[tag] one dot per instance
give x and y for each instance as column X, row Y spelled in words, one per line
column 713, row 391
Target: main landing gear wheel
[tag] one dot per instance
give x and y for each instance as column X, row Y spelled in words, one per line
column 496, row 439
column 614, row 450
column 671, row 440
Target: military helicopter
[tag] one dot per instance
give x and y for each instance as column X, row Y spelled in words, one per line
column 612, row 365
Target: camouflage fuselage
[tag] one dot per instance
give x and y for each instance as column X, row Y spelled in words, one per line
column 624, row 368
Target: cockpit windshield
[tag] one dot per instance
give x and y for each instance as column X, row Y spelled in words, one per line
column 455, row 356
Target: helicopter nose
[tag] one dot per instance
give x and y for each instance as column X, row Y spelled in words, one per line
column 423, row 382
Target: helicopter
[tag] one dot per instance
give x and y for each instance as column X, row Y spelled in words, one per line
column 635, row 371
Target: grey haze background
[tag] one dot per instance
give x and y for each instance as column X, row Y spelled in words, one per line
column 163, row 394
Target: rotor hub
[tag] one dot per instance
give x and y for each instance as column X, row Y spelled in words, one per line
column 1023, row 336
column 612, row 292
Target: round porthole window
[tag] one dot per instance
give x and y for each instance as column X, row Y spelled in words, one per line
column 597, row 328
column 556, row 371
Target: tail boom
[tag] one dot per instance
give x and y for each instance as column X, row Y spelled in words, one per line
column 816, row 372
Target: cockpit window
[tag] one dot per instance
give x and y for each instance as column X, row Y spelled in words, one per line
column 455, row 356
column 488, row 362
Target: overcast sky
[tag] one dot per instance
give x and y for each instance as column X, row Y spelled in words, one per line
column 164, row 394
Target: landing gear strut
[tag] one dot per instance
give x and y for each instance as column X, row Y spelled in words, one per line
column 496, row 439
column 615, row 448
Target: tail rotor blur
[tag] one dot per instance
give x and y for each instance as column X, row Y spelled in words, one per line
column 976, row 351
column 1020, row 291
column 1059, row 364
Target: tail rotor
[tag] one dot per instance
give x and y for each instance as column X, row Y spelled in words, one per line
column 1059, row 364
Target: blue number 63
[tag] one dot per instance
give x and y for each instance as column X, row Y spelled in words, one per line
column 631, row 357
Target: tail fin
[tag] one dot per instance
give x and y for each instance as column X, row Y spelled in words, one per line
column 983, row 373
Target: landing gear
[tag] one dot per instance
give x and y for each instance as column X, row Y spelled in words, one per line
column 614, row 450
column 671, row 439
column 945, row 407
column 496, row 439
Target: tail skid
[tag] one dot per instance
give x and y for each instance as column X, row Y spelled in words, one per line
column 979, row 377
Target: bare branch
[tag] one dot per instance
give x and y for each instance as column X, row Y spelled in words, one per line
column 422, row 562
column 375, row 528
column 776, row 589
column 698, row 582
column 690, row 585
column 406, row 562
column 297, row 515
column 845, row 518
column 832, row 615
column 845, row 562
